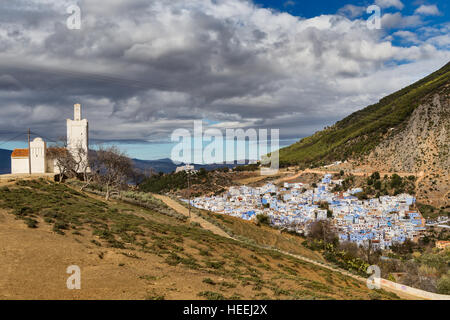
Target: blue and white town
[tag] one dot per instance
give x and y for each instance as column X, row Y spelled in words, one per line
column 384, row 220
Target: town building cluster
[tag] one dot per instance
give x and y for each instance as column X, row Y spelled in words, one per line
column 384, row 220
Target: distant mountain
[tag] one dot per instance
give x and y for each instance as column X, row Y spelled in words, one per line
column 5, row 161
column 162, row 165
column 166, row 165
column 359, row 134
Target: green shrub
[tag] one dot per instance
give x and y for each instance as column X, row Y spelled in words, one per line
column 215, row 264
column 209, row 295
column 209, row 281
column 263, row 219
column 31, row 223
column 96, row 243
column 373, row 295
column 443, row 284
column 61, row 225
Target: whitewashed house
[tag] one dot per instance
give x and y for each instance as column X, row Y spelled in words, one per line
column 39, row 156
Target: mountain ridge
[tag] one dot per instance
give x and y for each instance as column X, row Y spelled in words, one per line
column 355, row 136
column 164, row 165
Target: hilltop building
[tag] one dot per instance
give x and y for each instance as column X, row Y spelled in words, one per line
column 78, row 135
column 187, row 167
column 40, row 157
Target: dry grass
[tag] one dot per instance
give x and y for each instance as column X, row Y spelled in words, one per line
column 127, row 252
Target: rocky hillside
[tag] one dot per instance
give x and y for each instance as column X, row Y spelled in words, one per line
column 419, row 105
column 422, row 147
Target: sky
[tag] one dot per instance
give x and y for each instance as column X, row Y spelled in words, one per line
column 142, row 69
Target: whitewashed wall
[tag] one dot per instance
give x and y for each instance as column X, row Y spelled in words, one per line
column 19, row 165
column 38, row 156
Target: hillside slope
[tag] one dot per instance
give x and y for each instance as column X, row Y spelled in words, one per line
column 167, row 165
column 360, row 133
column 128, row 252
column 422, row 147
column 424, row 141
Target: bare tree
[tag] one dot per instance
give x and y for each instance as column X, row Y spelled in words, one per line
column 138, row 175
column 370, row 252
column 111, row 168
column 69, row 162
column 80, row 161
column 62, row 160
column 350, row 248
column 88, row 175
column 322, row 230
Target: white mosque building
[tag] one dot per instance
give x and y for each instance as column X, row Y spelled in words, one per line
column 38, row 156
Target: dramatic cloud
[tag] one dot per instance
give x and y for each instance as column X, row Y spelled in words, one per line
column 144, row 68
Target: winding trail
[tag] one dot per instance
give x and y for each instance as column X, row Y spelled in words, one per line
column 194, row 217
column 361, row 174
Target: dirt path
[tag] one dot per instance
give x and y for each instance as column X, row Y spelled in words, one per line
column 420, row 177
column 259, row 177
column 194, row 217
column 361, row 174
column 209, row 226
column 251, row 180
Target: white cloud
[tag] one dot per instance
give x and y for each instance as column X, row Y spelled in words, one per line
column 390, row 3
column 397, row 20
column 430, row 10
column 351, row 11
column 408, row 36
column 442, row 41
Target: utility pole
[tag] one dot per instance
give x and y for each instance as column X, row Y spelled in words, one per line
column 29, row 152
